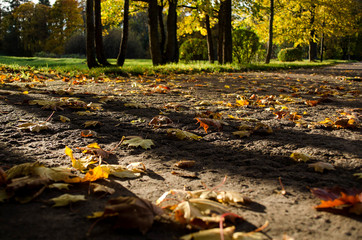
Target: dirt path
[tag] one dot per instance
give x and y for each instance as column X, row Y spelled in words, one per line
column 291, row 103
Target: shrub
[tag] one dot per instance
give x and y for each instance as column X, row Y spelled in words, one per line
column 290, row 54
column 193, row 49
column 245, row 45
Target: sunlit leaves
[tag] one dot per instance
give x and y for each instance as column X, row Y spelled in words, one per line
column 207, row 122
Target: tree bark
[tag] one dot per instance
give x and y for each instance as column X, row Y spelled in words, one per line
column 312, row 43
column 220, row 34
column 227, row 43
column 172, row 51
column 210, row 44
column 154, row 41
column 270, row 40
column 98, row 34
column 90, row 33
column 162, row 27
column 123, row 47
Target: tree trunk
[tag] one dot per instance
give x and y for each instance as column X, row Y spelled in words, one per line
column 227, row 43
column 312, row 43
column 220, row 34
column 162, row 27
column 98, row 34
column 123, row 47
column 90, row 30
column 210, row 44
column 172, row 51
column 322, row 47
column 270, row 40
column 155, row 48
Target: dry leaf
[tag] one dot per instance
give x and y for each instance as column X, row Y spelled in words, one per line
column 88, row 133
column 299, row 157
column 59, row 186
column 96, row 150
column 207, row 122
column 96, row 173
column 185, row 163
column 160, row 120
column 99, row 188
column 242, row 134
column 63, row 119
column 180, row 134
column 210, row 234
column 66, row 199
column 35, row 127
column 139, row 142
column 320, row 166
column 92, row 124
column 339, row 199
column 132, row 212
column 77, row 164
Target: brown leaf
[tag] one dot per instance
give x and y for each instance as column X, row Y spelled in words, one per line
column 206, row 122
column 159, row 121
column 2, row 177
column 132, row 212
column 185, row 163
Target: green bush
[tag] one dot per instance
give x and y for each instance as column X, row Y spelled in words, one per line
column 290, row 54
column 193, row 49
column 245, row 45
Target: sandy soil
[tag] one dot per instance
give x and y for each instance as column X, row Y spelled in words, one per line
column 252, row 164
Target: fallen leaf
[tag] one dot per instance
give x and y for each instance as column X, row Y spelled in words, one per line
column 59, row 186
column 3, row 178
column 210, row 234
column 66, row 199
column 180, row 134
column 320, row 166
column 96, row 173
column 63, row 119
column 35, row 126
column 99, row 188
column 339, row 199
column 242, row 134
column 132, row 213
column 159, row 121
column 88, row 133
column 232, row 197
column 92, row 124
column 139, row 142
column 185, row 163
column 358, row 175
column 77, row 164
column 206, row 122
column 299, row 157
column 96, row 150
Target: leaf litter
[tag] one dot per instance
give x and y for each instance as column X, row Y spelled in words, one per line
column 289, row 110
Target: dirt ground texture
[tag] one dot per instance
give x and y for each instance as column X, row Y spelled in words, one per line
column 253, row 164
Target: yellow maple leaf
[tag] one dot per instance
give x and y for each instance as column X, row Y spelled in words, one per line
column 77, row 164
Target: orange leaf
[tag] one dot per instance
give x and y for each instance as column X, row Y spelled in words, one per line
column 207, row 122
column 95, row 174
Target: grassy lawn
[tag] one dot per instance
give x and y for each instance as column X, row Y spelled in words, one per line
column 144, row 66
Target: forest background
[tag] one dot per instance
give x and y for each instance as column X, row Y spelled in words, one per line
column 58, row 28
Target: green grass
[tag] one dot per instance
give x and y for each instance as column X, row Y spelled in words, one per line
column 144, row 66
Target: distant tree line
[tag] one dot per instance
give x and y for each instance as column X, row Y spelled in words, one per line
column 234, row 30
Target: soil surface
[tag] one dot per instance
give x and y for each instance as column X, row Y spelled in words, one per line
column 281, row 111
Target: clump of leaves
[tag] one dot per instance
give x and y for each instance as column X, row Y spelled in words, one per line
column 338, row 199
